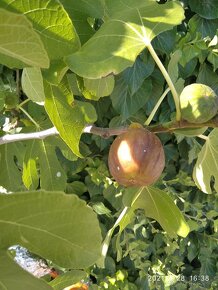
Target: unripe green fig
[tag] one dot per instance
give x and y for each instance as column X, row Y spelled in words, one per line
column 199, row 103
column 11, row 100
column 136, row 158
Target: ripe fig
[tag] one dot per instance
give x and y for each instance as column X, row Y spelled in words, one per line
column 199, row 103
column 136, row 158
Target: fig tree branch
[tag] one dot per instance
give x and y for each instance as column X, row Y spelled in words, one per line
column 103, row 132
column 108, row 132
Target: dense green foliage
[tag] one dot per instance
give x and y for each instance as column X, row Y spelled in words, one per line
column 72, row 64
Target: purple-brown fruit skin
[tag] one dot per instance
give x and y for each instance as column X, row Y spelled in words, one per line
column 136, row 158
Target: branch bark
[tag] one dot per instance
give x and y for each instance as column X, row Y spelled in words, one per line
column 108, row 132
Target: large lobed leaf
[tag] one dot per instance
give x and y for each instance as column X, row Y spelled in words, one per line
column 54, row 225
column 51, row 21
column 20, row 45
column 206, row 166
column 129, row 26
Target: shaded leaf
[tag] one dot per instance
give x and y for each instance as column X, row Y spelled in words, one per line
column 10, row 177
column 79, row 11
column 207, row 27
column 208, row 262
column 94, row 89
column 207, row 8
column 24, row 280
column 208, row 77
column 126, row 103
column 127, row 30
column 47, row 224
column 206, row 166
column 135, row 75
column 32, row 84
column 17, row 32
column 52, row 23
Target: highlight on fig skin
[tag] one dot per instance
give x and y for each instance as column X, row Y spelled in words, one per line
column 136, row 158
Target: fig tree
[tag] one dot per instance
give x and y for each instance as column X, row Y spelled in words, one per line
column 136, row 158
column 199, row 103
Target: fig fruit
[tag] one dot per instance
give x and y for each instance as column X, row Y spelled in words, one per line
column 198, row 103
column 136, row 158
column 11, row 100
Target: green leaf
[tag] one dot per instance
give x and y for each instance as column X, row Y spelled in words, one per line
column 208, row 77
column 20, row 45
column 52, row 23
column 94, row 89
column 207, row 9
column 213, row 58
column 42, row 152
column 207, row 27
column 165, row 41
column 158, row 205
column 10, row 177
column 208, row 262
column 173, row 65
column 68, row 116
column 79, row 11
column 206, row 166
column 126, row 103
column 55, row 73
column 53, row 225
column 127, row 30
column 24, row 280
column 32, row 84
column 67, row 279
column 134, row 76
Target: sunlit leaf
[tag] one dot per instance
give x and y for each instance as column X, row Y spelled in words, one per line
column 51, row 22
column 47, row 224
column 67, row 115
column 129, row 26
column 40, row 155
column 206, row 166
column 20, row 45
column 158, row 205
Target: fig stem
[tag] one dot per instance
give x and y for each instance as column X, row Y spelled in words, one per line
column 151, row 116
column 167, row 78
